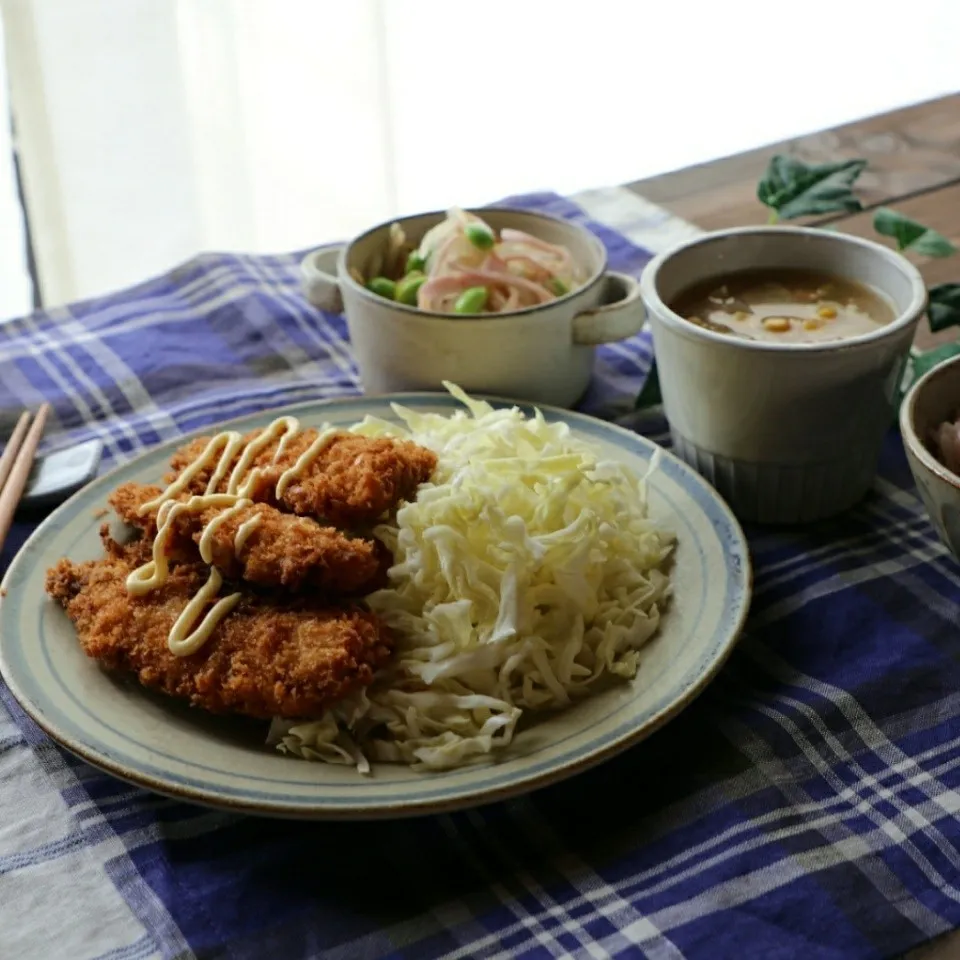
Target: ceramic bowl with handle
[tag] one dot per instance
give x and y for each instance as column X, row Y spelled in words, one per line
column 932, row 400
column 786, row 432
column 542, row 354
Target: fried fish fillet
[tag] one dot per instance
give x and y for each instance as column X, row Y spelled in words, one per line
column 267, row 658
column 282, row 550
column 353, row 481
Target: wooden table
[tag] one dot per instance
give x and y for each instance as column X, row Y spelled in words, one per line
column 914, row 166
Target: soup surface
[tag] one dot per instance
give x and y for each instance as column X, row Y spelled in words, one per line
column 784, row 306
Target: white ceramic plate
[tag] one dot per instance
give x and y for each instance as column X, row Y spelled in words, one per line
column 168, row 747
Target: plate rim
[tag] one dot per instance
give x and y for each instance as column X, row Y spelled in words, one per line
column 280, row 809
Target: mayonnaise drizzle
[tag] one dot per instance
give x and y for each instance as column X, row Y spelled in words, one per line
column 230, row 441
column 182, row 643
column 206, row 538
column 286, row 427
column 230, row 450
column 154, row 573
column 324, row 439
column 244, row 531
column 222, row 447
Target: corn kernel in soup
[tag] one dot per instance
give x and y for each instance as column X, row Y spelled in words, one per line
column 785, row 306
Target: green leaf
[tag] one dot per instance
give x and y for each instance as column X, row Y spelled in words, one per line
column 911, row 235
column 649, row 395
column 924, row 362
column 944, row 308
column 794, row 189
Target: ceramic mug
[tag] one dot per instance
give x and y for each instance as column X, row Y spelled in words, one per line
column 542, row 354
column 786, row 432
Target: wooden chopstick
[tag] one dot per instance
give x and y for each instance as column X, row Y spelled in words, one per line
column 13, row 476
column 13, row 445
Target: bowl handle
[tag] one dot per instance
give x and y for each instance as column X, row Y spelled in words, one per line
column 620, row 314
column 318, row 273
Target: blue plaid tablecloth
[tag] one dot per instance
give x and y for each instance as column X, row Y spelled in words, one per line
column 804, row 806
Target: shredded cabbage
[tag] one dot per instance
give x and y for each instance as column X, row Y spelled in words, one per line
column 525, row 571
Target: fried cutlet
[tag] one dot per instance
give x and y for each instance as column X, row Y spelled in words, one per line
column 269, row 657
column 353, row 482
column 281, row 551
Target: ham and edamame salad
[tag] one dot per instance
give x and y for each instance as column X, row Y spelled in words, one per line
column 461, row 267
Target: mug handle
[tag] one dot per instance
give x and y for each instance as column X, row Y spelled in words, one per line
column 318, row 274
column 621, row 312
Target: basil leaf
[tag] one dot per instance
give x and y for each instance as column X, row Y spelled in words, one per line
column 649, row 395
column 911, row 235
column 924, row 362
column 944, row 308
column 793, row 188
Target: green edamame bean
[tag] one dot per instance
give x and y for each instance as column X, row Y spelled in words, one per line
column 472, row 300
column 479, row 235
column 415, row 263
column 408, row 287
column 558, row 286
column 382, row 287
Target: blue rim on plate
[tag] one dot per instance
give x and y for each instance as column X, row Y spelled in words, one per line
column 153, row 742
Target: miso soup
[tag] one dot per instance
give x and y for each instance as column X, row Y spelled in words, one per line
column 785, row 306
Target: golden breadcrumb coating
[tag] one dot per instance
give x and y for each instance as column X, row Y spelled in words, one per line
column 283, row 550
column 270, row 657
column 353, row 482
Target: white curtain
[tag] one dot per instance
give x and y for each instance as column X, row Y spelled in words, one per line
column 16, row 292
column 153, row 129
